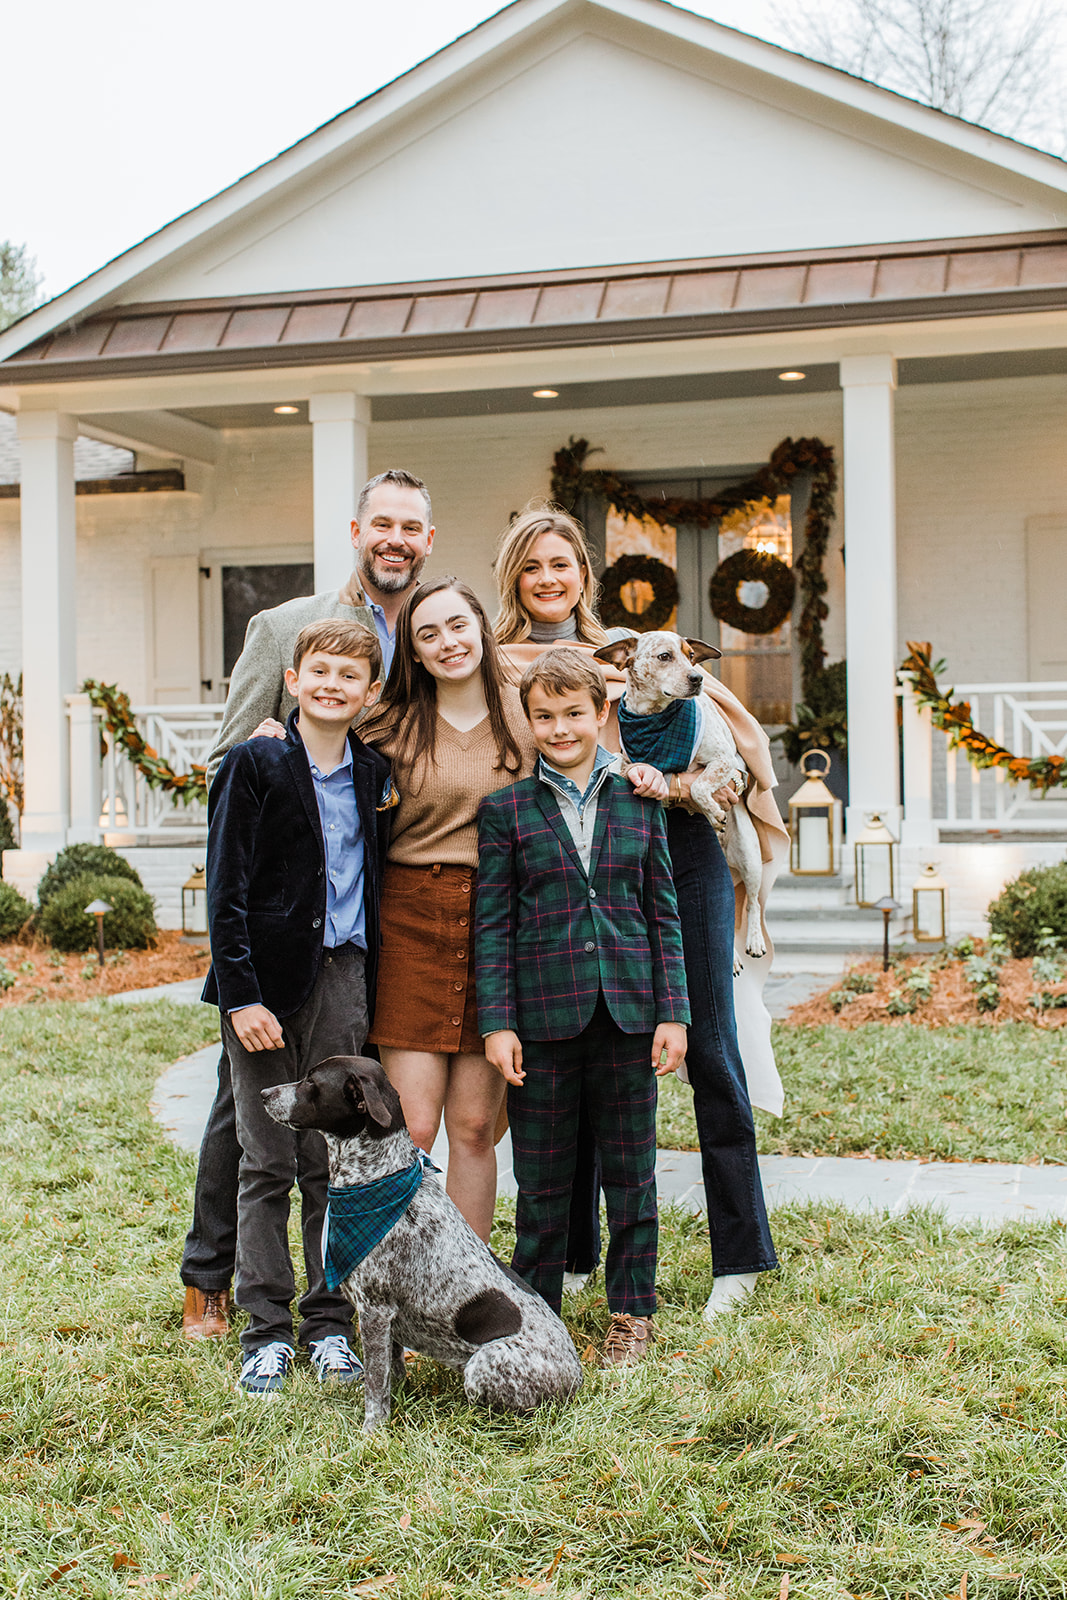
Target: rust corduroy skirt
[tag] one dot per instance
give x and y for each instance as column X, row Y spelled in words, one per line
column 426, row 998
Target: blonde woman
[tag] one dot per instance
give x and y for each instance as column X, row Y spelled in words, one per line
column 548, row 596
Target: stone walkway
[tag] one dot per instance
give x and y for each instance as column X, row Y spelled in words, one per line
column 987, row 1192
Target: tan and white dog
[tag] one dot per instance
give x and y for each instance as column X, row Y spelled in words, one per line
column 661, row 668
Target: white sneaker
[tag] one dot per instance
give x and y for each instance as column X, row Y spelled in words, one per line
column 575, row 1282
column 334, row 1361
column 727, row 1294
column 265, row 1370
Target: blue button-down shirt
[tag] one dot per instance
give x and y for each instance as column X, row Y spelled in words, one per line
column 385, row 638
column 342, row 834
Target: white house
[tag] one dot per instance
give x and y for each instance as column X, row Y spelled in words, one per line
column 607, row 219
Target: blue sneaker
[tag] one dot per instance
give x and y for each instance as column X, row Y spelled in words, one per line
column 265, row 1370
column 335, row 1361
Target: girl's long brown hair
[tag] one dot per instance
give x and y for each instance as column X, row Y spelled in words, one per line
column 409, row 701
column 536, row 518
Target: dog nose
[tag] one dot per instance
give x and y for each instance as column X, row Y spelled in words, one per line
column 696, row 679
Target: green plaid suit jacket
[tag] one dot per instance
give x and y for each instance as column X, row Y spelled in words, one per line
column 549, row 940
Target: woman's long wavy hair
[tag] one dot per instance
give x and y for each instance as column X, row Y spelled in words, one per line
column 536, row 518
column 409, row 701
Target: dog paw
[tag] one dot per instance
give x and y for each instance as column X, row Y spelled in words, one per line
column 755, row 948
column 739, row 966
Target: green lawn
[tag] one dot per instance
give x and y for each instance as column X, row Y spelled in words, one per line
column 886, row 1418
column 944, row 1094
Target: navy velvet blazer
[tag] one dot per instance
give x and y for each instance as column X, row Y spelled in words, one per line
column 266, row 872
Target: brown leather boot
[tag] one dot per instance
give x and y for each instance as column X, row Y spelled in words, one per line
column 206, row 1313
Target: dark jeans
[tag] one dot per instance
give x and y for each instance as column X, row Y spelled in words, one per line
column 332, row 1021
column 611, row 1072
column 737, row 1213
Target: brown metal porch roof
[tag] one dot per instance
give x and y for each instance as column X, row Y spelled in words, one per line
column 592, row 306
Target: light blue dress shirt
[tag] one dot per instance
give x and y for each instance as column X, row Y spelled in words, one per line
column 386, row 639
column 342, row 835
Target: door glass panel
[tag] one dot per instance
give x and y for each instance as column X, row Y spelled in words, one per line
column 758, row 666
column 246, row 590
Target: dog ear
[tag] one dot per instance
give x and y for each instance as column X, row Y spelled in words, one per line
column 698, row 651
column 365, row 1095
column 619, row 654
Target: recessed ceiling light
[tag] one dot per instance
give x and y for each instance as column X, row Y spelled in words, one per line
column 791, row 377
column 546, row 394
column 286, row 411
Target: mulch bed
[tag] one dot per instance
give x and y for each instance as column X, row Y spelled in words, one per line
column 41, row 973
column 953, row 999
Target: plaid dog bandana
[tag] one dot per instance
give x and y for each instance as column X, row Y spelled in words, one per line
column 360, row 1216
column 667, row 739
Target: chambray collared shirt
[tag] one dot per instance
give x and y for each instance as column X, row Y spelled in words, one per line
column 342, row 834
column 577, row 805
column 386, row 639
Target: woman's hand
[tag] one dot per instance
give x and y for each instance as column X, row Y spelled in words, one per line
column 503, row 1051
column 269, row 728
column 648, row 781
column 668, row 1047
column 727, row 796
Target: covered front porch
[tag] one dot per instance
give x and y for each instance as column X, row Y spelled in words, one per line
column 256, row 422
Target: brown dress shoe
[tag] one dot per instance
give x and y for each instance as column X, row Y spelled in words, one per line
column 627, row 1340
column 206, row 1314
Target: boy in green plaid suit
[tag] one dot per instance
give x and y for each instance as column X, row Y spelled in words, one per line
column 581, row 987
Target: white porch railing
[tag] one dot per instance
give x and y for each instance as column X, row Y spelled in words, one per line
column 108, row 795
column 943, row 792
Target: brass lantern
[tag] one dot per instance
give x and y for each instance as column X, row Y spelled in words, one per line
column 929, row 906
column 877, row 872
column 814, row 823
column 194, row 905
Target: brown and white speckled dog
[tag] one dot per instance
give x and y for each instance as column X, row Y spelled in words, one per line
column 431, row 1284
column 660, row 668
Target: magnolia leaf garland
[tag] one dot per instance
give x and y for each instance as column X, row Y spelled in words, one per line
column 571, row 479
column 954, row 720
column 188, row 787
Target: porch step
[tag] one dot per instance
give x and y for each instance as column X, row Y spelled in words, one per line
column 808, row 916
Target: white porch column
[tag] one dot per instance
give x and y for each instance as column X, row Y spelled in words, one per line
column 339, row 426
column 871, row 588
column 48, row 621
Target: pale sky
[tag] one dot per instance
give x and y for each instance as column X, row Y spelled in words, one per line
column 121, row 115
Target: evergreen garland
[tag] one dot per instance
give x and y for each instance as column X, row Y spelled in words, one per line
column 571, row 479
column 189, row 787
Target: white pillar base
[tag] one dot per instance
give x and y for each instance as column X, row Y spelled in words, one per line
column 24, row 869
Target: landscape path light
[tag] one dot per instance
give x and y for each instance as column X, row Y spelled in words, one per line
column 99, row 909
column 886, row 905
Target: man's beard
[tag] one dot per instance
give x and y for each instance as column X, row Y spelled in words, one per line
column 388, row 580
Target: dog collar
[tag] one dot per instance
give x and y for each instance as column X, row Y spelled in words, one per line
column 359, row 1215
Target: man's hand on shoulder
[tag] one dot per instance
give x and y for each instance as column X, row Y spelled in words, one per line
column 269, row 728
column 257, row 1028
column 669, row 1044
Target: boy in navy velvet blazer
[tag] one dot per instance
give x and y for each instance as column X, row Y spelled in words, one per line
column 296, row 851
column 581, row 987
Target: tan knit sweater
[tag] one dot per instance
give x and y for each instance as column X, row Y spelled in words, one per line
column 439, row 799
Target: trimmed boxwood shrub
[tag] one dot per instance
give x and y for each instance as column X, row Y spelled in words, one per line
column 77, row 860
column 1036, row 899
column 15, row 912
column 130, row 925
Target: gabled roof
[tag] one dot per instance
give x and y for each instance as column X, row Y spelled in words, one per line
column 1032, row 183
